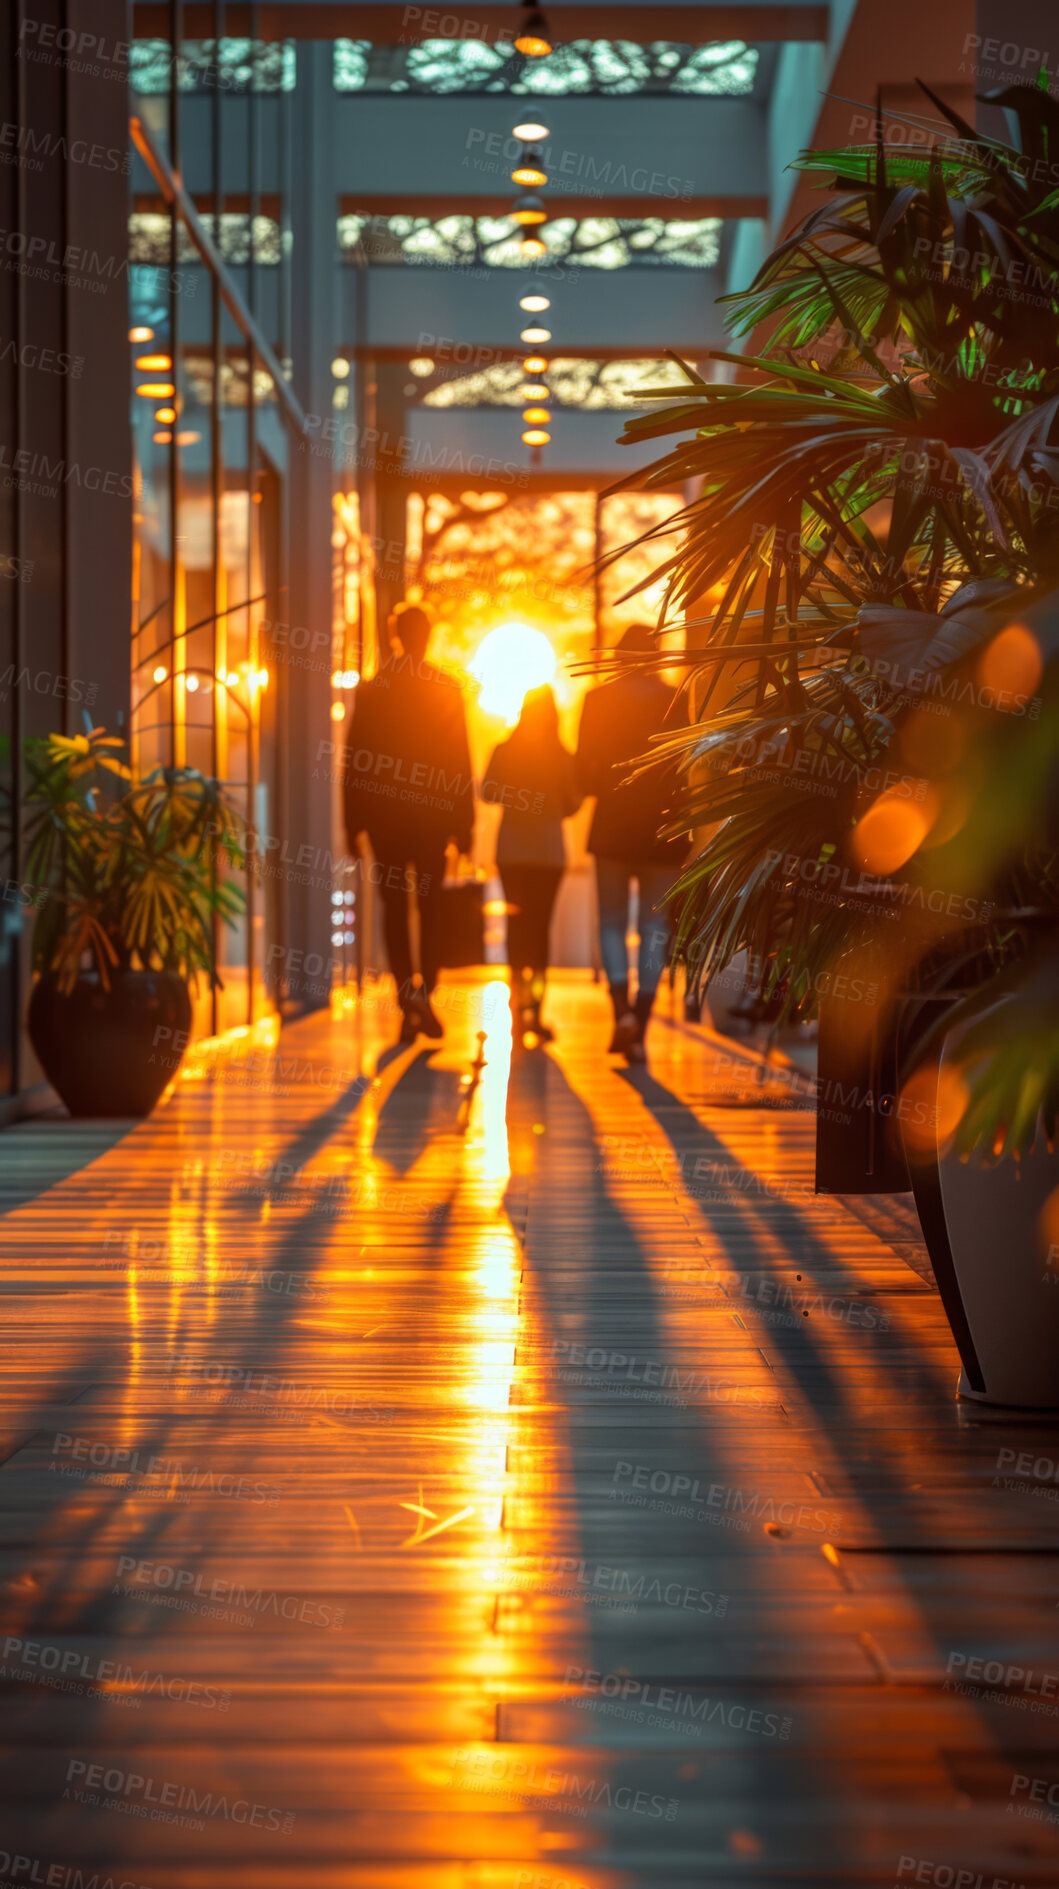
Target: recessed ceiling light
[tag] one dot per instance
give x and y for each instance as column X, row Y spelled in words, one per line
column 530, row 171
column 533, row 41
column 529, row 209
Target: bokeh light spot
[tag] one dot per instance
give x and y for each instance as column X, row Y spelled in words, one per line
column 893, row 827
column 1012, row 666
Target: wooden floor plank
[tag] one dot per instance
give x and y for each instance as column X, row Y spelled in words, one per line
column 566, row 1499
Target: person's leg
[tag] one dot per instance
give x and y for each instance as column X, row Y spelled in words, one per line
column 656, row 930
column 430, row 877
column 541, row 892
column 519, row 899
column 395, row 931
column 612, row 882
column 529, row 892
column 612, row 886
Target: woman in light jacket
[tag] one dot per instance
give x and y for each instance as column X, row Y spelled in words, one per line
column 531, row 775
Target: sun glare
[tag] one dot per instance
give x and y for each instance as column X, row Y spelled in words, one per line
column 509, row 661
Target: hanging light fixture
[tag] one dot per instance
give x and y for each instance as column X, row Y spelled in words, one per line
column 533, row 41
column 528, row 210
column 535, row 364
column 529, row 170
column 537, row 416
column 534, row 304
column 536, row 334
column 530, row 134
column 532, row 246
column 536, row 436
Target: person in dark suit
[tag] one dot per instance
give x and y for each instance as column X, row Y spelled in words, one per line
column 617, row 723
column 409, row 787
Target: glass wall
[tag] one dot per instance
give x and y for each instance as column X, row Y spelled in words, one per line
column 210, row 460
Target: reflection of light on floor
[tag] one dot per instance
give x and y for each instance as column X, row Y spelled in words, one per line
column 509, row 661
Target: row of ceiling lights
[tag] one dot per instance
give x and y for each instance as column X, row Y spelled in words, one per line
column 529, row 211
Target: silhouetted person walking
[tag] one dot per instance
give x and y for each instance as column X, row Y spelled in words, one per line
column 617, row 723
column 531, row 775
column 408, row 785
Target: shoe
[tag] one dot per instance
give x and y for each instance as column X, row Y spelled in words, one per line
column 623, row 1019
column 429, row 1022
column 626, row 1032
column 641, row 1017
column 530, row 1028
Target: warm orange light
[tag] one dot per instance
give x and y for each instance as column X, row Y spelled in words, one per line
column 338, row 711
column 156, row 390
column 529, row 174
column 536, row 334
column 166, row 415
column 1011, row 667
column 532, row 46
column 535, row 364
column 1048, row 1228
column 509, row 661
column 141, row 334
column 891, row 830
column 188, row 439
column 161, row 672
column 158, row 363
column 931, row 1104
column 537, row 416
column 528, row 211
column 532, row 246
column 534, row 304
column 534, row 390
column 536, row 437
column 162, row 439
column 191, row 683
column 954, row 805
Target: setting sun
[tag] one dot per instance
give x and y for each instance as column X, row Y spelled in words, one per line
column 509, row 661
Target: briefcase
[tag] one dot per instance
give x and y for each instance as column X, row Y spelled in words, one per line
column 461, row 924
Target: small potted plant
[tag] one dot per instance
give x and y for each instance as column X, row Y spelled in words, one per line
column 129, row 885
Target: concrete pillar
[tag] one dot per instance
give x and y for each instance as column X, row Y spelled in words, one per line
column 305, row 792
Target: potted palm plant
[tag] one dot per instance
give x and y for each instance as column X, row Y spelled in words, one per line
column 869, row 573
column 128, row 885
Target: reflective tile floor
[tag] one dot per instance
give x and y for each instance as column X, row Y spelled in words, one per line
column 501, row 1477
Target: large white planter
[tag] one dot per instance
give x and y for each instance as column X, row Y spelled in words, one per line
column 1009, row 1291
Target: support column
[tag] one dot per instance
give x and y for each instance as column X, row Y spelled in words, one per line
column 307, row 729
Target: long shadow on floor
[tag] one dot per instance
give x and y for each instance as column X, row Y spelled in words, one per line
column 590, row 1315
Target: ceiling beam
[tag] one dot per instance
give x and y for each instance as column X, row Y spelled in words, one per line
column 398, row 24
column 634, row 209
